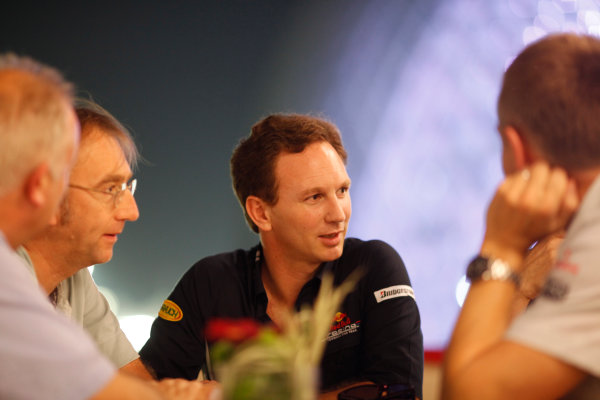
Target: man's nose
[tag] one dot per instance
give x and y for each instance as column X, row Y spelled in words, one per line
column 336, row 211
column 127, row 208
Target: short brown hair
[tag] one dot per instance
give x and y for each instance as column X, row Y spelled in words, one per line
column 551, row 95
column 92, row 115
column 253, row 160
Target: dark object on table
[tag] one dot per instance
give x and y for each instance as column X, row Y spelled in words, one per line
column 377, row 392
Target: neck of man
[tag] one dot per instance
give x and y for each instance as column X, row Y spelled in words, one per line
column 283, row 277
column 17, row 221
column 584, row 178
column 11, row 234
column 49, row 264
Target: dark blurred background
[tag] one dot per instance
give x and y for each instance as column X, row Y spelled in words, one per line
column 411, row 84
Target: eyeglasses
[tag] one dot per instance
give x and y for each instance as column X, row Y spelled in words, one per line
column 114, row 191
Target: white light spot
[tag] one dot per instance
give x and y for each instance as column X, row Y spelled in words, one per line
column 462, row 287
column 594, row 30
column 136, row 328
column 592, row 18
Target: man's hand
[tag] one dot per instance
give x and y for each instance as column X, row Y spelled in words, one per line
column 537, row 264
column 173, row 389
column 528, row 206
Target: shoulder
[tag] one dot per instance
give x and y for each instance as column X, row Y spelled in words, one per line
column 217, row 272
column 18, row 282
column 381, row 262
column 370, row 252
column 373, row 246
column 222, row 264
column 22, row 252
column 14, row 267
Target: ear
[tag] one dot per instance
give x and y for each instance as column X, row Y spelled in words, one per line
column 37, row 184
column 258, row 211
column 522, row 152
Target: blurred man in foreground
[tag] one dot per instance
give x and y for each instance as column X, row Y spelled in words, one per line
column 44, row 355
column 98, row 202
column 550, row 128
column 290, row 178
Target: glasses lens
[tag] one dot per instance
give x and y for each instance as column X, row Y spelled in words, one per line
column 132, row 185
column 125, row 186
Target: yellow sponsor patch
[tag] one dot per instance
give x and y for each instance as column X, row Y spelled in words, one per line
column 170, row 311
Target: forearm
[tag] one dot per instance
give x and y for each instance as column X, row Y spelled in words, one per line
column 123, row 386
column 138, row 369
column 483, row 305
column 126, row 387
column 486, row 314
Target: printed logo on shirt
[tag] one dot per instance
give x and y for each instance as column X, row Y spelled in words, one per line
column 557, row 286
column 565, row 263
column 341, row 326
column 170, row 311
column 392, row 292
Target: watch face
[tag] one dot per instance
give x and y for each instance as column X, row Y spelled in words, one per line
column 494, row 269
column 476, row 268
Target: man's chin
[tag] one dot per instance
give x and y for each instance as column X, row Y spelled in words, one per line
column 103, row 258
column 333, row 253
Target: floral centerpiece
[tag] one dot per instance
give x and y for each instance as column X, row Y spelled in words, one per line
column 261, row 362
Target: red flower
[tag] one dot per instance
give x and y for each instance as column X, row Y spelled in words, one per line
column 232, row 330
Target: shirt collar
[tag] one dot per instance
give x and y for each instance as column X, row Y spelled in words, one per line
column 257, row 254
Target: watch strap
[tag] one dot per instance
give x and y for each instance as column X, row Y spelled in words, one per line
column 491, row 269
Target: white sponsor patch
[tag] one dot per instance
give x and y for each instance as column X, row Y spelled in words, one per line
column 392, row 292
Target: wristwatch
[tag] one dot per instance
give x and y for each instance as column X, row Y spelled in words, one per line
column 491, row 269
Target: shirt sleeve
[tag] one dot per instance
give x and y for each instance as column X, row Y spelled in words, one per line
column 176, row 347
column 44, row 355
column 99, row 321
column 393, row 342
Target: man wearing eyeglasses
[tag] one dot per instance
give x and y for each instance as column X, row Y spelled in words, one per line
column 43, row 354
column 98, row 203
